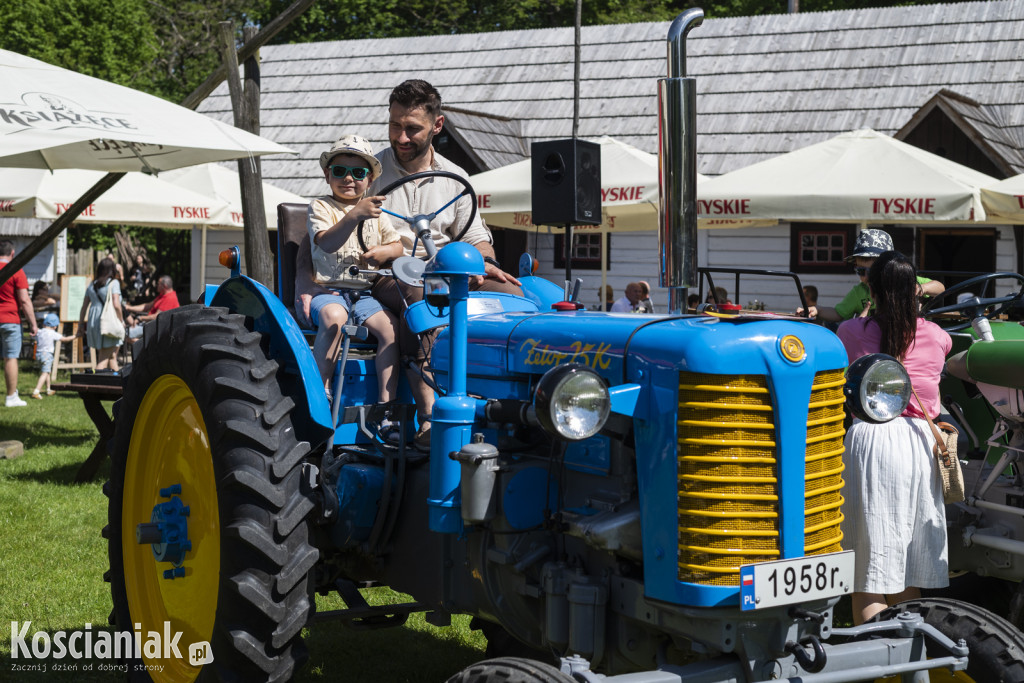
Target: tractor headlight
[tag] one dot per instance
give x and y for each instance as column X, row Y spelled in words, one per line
column 572, row 402
column 877, row 388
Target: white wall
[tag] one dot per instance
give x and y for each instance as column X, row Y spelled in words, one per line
column 634, row 256
column 214, row 273
column 40, row 266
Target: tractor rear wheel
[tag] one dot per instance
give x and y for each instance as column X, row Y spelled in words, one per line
column 208, row 528
column 510, row 670
column 996, row 647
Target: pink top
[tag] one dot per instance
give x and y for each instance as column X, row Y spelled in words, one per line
column 924, row 362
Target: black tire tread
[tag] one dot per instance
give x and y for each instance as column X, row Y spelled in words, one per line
column 264, row 599
column 996, row 646
column 510, row 670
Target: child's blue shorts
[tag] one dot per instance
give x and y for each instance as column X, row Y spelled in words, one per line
column 358, row 303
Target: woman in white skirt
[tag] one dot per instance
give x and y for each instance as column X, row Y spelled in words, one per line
column 894, row 517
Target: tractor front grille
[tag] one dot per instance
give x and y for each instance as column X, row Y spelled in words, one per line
column 728, row 464
column 823, row 486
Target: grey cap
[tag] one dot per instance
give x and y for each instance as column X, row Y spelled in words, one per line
column 871, row 243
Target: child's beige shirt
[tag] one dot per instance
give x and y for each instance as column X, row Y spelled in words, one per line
column 331, row 268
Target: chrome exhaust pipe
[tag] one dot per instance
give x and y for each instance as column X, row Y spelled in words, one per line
column 677, row 166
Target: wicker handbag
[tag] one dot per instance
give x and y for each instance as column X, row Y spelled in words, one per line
column 944, row 450
column 110, row 325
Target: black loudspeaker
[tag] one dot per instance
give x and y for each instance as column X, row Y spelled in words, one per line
column 566, row 182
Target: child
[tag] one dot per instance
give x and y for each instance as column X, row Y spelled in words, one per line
column 45, row 340
column 857, row 303
column 333, row 224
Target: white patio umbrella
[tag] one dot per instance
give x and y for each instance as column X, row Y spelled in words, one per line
column 137, row 199
column 56, row 118
column 859, row 176
column 222, row 183
column 629, row 193
column 1005, row 199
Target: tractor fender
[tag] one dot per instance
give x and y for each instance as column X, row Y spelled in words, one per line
column 288, row 346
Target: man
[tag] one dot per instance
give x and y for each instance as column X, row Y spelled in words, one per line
column 165, row 300
column 645, row 305
column 13, row 296
column 631, row 301
column 414, row 118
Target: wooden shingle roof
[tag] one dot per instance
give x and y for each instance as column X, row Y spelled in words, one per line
column 766, row 85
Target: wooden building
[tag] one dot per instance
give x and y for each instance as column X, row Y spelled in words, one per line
column 948, row 78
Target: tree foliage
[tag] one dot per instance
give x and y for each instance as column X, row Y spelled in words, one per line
column 109, row 39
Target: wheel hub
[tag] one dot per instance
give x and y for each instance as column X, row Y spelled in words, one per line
column 167, row 531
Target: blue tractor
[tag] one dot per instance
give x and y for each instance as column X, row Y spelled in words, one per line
column 621, row 497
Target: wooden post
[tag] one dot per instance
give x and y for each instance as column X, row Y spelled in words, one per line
column 246, row 51
column 257, row 246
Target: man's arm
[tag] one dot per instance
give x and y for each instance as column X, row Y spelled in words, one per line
column 487, row 251
column 140, row 308
column 25, row 303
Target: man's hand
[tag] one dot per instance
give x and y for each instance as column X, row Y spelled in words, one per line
column 496, row 273
column 493, row 271
column 812, row 311
column 303, row 300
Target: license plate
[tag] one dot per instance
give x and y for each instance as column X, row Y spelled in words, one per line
column 785, row 582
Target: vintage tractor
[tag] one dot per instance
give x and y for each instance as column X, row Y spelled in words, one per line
column 623, row 497
column 982, row 391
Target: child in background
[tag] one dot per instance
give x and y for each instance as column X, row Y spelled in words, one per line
column 857, row 303
column 45, row 340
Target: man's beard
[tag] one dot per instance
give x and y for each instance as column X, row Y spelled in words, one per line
column 416, row 152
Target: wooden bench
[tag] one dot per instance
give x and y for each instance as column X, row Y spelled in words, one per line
column 93, row 390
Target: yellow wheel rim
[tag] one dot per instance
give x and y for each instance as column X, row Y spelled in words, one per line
column 170, row 445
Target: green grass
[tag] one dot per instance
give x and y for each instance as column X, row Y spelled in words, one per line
column 52, row 559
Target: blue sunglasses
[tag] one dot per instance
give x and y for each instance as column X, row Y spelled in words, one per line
column 358, row 172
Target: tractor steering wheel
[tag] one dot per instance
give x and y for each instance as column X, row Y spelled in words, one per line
column 421, row 222
column 975, row 305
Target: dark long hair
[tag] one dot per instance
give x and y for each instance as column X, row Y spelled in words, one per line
column 105, row 270
column 893, row 282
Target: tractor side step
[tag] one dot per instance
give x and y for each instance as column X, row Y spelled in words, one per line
column 363, row 616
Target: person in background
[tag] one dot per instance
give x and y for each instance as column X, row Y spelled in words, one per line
column 45, row 345
column 13, row 297
column 166, row 299
column 721, row 294
column 92, row 306
column 139, row 274
column 630, row 301
column 646, row 305
column 811, row 295
column 857, row 302
column 894, row 515
column 41, row 297
column 692, row 301
column 607, row 295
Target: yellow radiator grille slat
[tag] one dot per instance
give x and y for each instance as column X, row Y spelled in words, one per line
column 823, row 464
column 728, row 468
